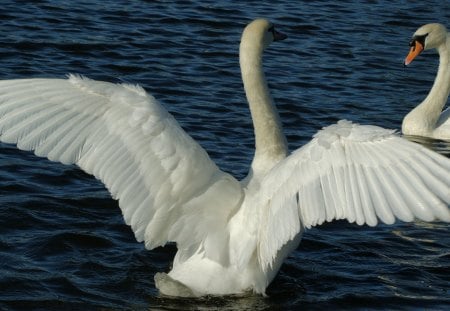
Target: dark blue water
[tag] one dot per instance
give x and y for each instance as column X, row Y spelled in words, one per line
column 63, row 242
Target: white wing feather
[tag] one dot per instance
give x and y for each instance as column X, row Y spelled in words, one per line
column 164, row 181
column 353, row 172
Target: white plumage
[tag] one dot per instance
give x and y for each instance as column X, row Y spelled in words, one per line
column 231, row 236
column 428, row 119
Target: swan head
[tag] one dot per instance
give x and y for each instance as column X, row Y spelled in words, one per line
column 260, row 33
column 429, row 36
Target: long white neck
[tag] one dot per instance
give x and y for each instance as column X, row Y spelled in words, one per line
column 428, row 112
column 270, row 143
column 438, row 95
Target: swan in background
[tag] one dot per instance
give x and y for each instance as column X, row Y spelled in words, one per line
column 232, row 236
column 428, row 119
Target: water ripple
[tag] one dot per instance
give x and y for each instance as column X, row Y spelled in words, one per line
column 63, row 243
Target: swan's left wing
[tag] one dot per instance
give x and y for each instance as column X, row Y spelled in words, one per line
column 354, row 172
column 167, row 186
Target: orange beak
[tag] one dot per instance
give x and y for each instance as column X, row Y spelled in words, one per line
column 415, row 50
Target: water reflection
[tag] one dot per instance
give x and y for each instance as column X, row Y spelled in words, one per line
column 234, row 302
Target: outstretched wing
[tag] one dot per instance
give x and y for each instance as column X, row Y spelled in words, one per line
column 354, row 172
column 164, row 181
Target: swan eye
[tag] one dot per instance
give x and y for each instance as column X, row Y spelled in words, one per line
column 420, row 39
column 272, row 29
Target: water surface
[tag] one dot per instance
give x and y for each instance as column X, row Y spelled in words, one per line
column 63, row 242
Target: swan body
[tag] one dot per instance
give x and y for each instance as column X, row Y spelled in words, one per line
column 232, row 237
column 428, row 119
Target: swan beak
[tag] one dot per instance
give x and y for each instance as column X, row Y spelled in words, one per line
column 278, row 36
column 416, row 49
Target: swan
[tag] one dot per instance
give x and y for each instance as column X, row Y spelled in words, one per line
column 231, row 236
column 428, row 119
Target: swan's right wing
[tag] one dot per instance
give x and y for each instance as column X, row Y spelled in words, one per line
column 167, row 186
column 354, row 172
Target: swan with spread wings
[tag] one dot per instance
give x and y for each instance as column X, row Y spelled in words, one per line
column 232, row 236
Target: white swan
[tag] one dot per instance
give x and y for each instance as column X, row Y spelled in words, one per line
column 232, row 236
column 427, row 119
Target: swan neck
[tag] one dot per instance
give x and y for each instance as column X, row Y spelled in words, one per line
column 270, row 143
column 437, row 97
